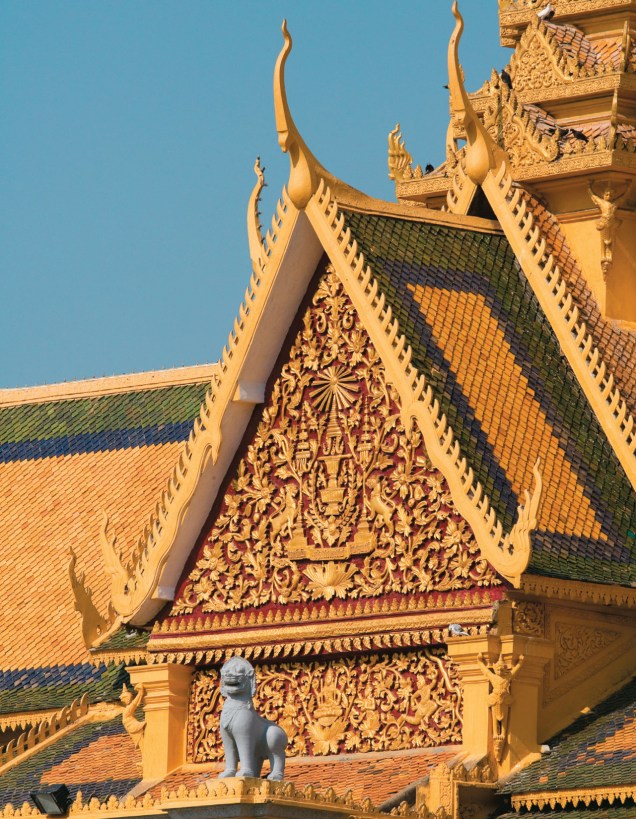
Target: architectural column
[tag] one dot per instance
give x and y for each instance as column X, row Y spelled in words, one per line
column 464, row 651
column 502, row 678
column 167, row 690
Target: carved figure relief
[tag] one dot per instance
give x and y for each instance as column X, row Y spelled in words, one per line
column 608, row 223
column 134, row 728
column 356, row 704
column 333, row 497
column 500, row 677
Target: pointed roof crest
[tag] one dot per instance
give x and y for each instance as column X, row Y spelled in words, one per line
column 482, row 153
column 304, row 176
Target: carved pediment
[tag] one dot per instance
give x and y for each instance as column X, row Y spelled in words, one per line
column 333, row 498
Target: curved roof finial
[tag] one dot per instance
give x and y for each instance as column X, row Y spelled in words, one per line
column 482, row 152
column 303, row 178
column 254, row 232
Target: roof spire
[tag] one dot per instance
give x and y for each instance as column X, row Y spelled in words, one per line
column 303, row 177
column 482, row 153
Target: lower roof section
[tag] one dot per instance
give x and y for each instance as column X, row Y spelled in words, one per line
column 381, row 777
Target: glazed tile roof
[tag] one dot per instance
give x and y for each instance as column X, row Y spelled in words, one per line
column 97, row 758
column 598, row 750
column 479, row 335
column 574, row 44
column 378, row 776
column 63, row 462
column 33, row 689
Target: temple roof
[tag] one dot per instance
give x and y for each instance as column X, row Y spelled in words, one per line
column 480, row 337
column 68, row 454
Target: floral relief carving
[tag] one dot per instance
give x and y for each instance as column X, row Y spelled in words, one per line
column 356, row 704
column 577, row 643
column 510, row 125
column 534, row 68
column 334, row 497
column 528, row 617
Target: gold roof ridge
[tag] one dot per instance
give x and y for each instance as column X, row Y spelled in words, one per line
column 107, row 385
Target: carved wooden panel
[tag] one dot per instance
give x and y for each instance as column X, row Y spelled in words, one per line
column 374, row 702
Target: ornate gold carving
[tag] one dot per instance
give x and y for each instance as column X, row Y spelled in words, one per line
column 608, row 223
column 574, row 797
column 439, row 798
column 332, row 474
column 134, row 728
column 508, row 122
column 599, row 593
column 400, row 160
column 575, row 644
column 500, row 677
column 528, row 618
column 358, row 704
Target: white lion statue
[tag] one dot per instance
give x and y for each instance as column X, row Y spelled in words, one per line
column 247, row 737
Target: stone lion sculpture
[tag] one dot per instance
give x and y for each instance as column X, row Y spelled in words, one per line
column 247, row 737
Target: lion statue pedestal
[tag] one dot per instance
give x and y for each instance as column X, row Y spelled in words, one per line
column 248, row 737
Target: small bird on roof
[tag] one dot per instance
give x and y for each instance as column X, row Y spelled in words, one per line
column 506, row 78
column 546, row 13
column 455, row 630
column 429, row 168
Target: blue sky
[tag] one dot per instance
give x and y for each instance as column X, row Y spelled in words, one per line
column 127, row 143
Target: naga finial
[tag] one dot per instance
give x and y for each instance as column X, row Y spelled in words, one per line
column 400, row 159
column 303, row 177
column 254, row 232
column 482, row 153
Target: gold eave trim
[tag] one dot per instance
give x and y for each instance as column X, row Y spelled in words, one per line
column 578, row 591
column 279, row 633
column 573, row 797
column 192, row 802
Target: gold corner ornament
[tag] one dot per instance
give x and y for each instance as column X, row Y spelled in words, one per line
column 482, row 153
column 304, row 177
column 94, row 625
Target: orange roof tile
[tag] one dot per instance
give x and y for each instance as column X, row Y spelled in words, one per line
column 378, row 776
column 63, row 462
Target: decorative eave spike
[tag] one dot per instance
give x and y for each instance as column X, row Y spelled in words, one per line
column 482, row 153
column 303, row 177
column 254, row 231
